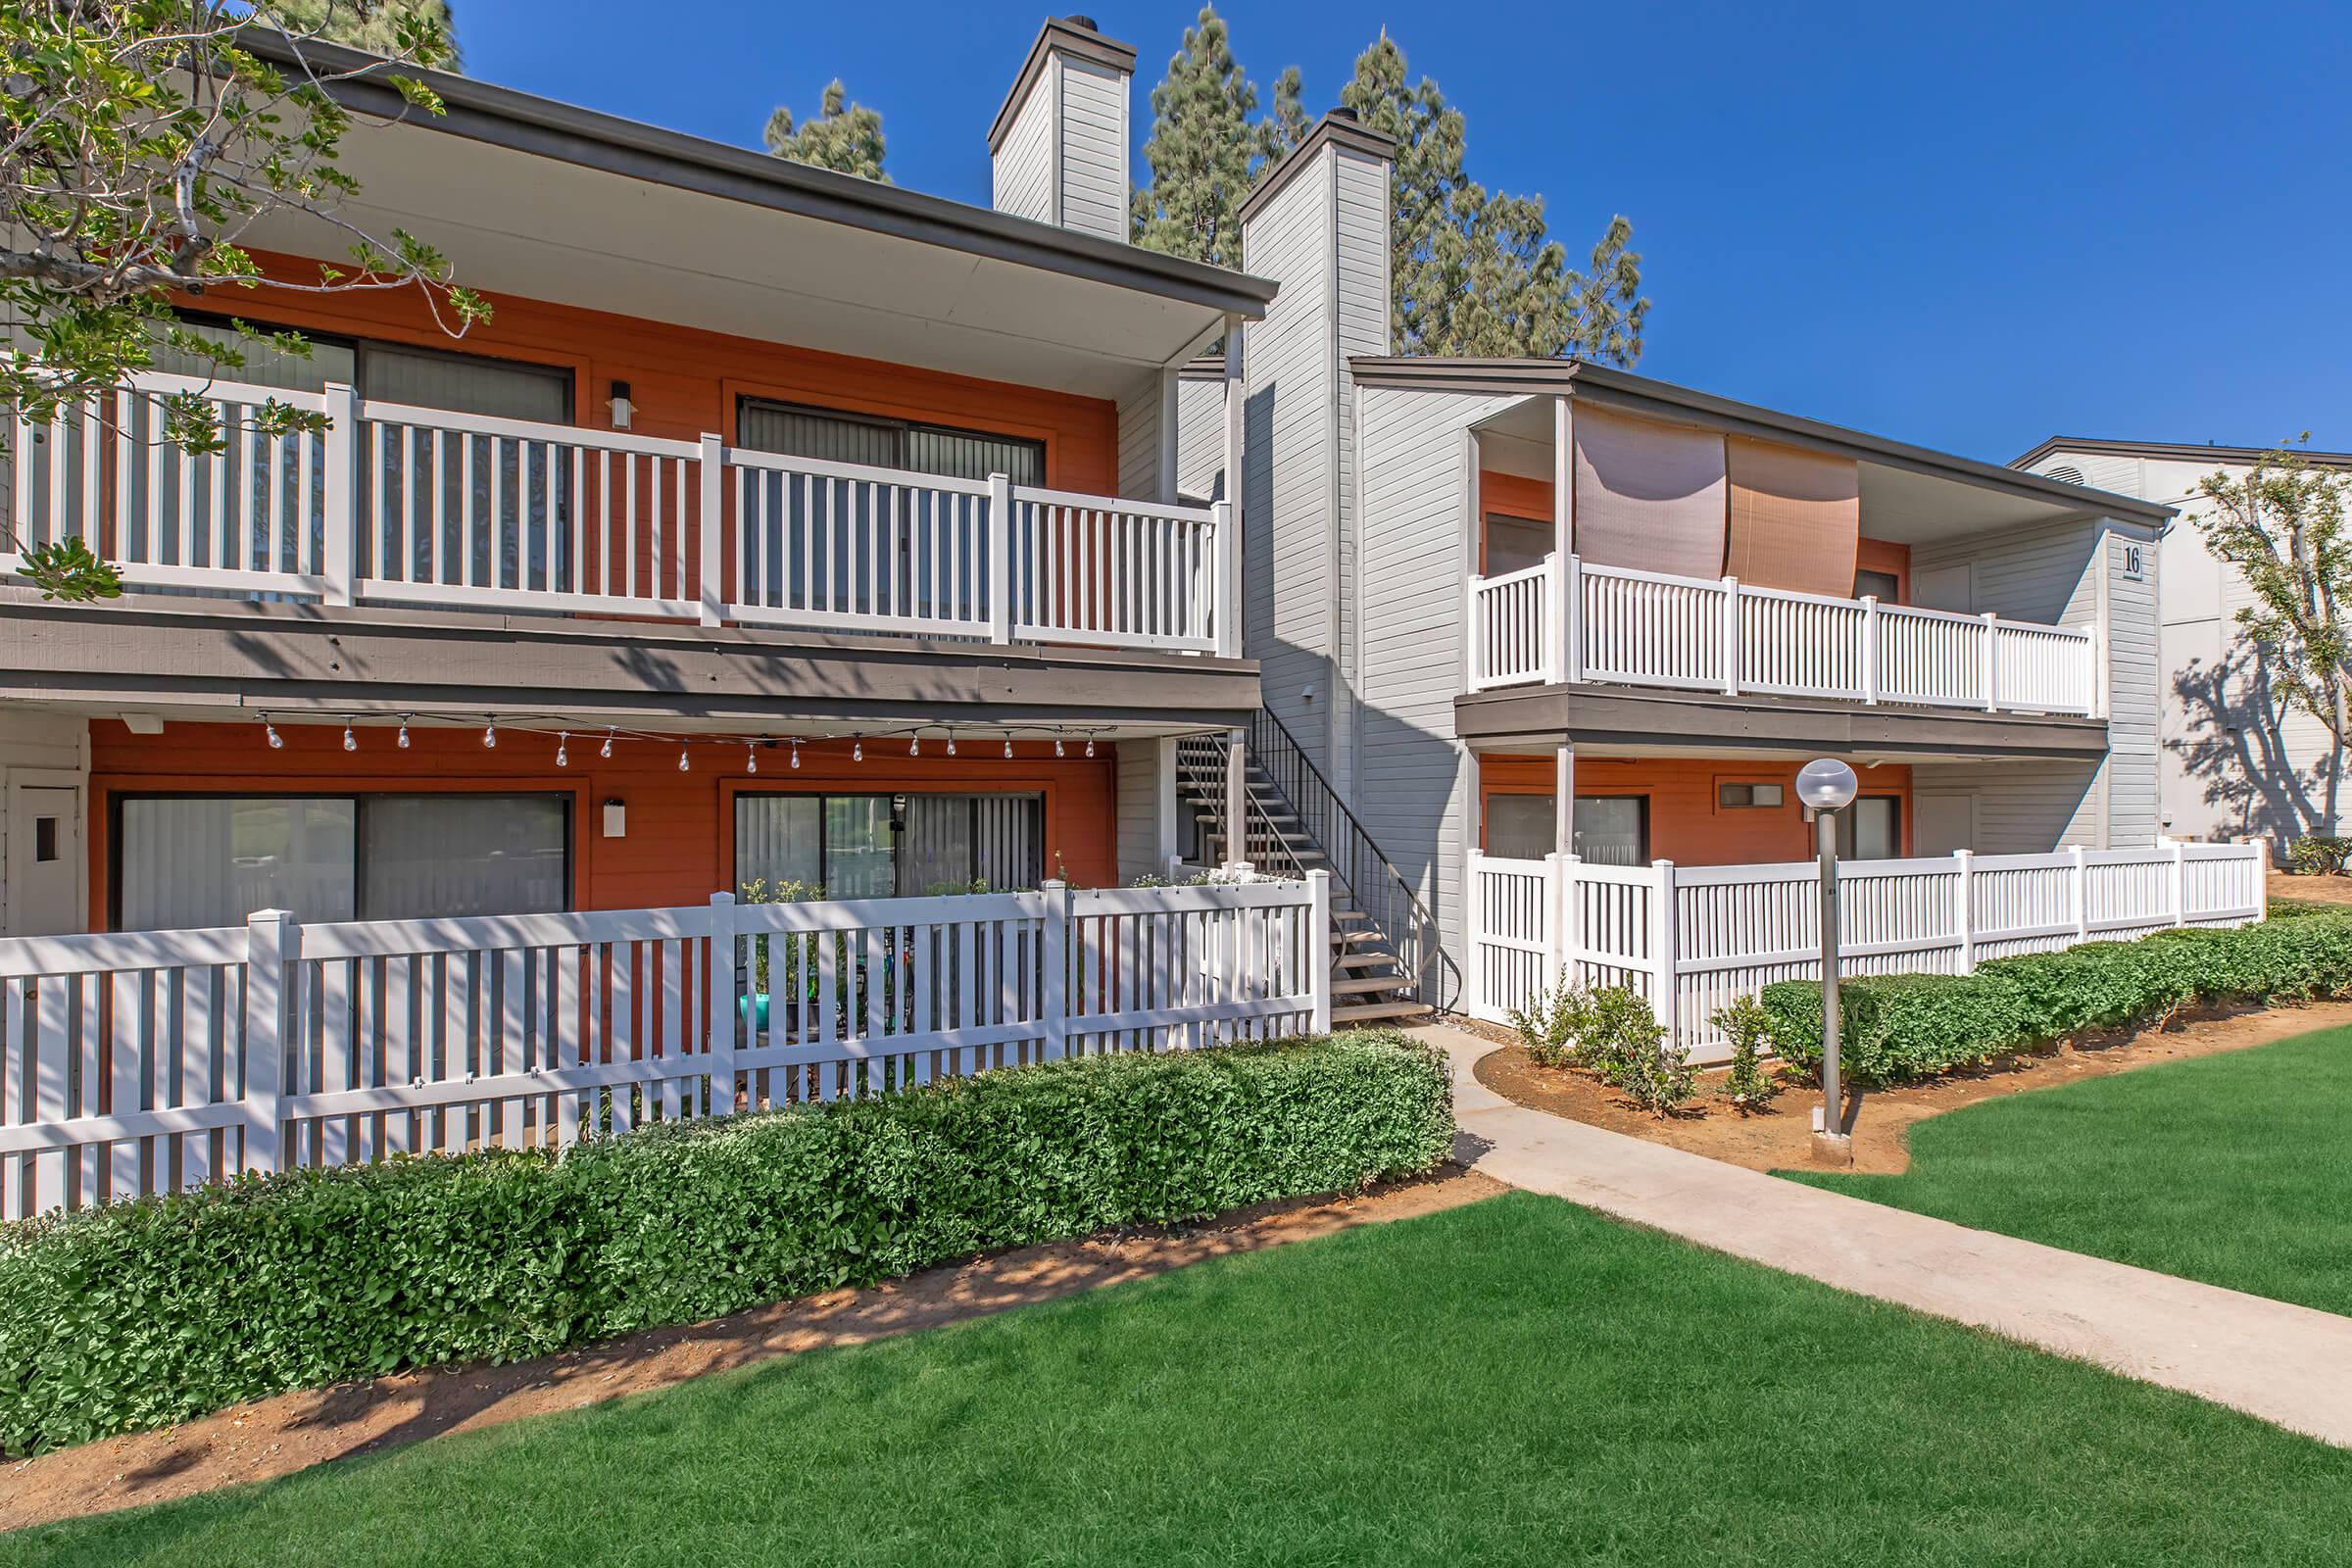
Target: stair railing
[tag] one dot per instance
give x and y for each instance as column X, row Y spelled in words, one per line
column 1357, row 863
column 1200, row 759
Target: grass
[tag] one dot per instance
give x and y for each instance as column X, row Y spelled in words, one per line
column 2233, row 1169
column 1519, row 1381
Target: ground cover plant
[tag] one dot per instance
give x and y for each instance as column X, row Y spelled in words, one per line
column 1436, row 1389
column 142, row 1313
column 2232, row 1170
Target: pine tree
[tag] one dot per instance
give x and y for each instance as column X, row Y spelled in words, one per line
column 370, row 24
column 1206, row 150
column 844, row 136
column 1477, row 275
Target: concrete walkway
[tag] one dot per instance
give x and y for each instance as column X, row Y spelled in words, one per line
column 2290, row 1365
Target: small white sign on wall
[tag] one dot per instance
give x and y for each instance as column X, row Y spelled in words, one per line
column 2135, row 562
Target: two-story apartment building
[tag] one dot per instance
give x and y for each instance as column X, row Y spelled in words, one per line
column 779, row 526
column 1527, row 606
column 2238, row 759
column 786, row 527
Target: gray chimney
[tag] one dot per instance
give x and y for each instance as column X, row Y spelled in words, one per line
column 1059, row 143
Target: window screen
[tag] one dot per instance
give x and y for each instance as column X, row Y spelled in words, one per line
column 881, row 846
column 834, row 437
column 1871, row 829
column 264, row 366
column 1613, row 829
column 466, row 383
column 445, row 855
column 1514, row 544
column 1519, row 827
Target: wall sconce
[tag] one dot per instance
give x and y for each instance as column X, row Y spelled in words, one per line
column 623, row 407
column 616, row 820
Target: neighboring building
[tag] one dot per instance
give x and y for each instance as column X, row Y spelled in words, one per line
column 2238, row 761
column 970, row 473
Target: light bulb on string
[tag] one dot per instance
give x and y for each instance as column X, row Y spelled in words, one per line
column 607, row 751
column 682, row 762
column 350, row 742
column 796, row 754
column 563, row 748
column 1058, row 748
column 857, row 748
column 951, row 743
column 277, row 742
column 751, row 757
column 490, row 737
column 404, row 732
column 914, row 746
column 1009, row 746
column 1090, row 745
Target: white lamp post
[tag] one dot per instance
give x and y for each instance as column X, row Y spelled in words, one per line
column 1827, row 787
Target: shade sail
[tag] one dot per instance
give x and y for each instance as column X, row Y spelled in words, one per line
column 1797, row 518
column 1648, row 496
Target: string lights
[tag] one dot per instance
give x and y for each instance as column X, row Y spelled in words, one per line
column 1057, row 747
column 683, row 764
column 753, row 744
column 796, row 754
column 915, row 744
column 490, row 737
column 404, row 732
column 563, row 748
column 857, row 748
column 951, row 743
column 751, row 757
column 1008, row 748
column 350, row 742
column 277, row 742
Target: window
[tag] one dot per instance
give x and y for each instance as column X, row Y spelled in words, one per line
column 1609, row 829
column 44, row 840
column 1884, row 586
column 207, row 860
column 880, row 846
column 1871, row 829
column 832, row 437
column 1745, row 797
column 1514, row 544
column 431, row 378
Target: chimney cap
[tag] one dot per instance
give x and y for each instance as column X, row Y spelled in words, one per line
column 1078, row 38
column 1342, row 112
column 1074, row 19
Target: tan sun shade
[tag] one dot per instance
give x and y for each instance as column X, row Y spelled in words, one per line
column 1648, row 496
column 1797, row 518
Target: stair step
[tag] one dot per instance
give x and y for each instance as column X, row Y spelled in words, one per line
column 1368, row 985
column 1375, row 1011
column 1359, row 958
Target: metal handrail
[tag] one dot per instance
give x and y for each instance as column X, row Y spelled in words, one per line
column 1357, row 859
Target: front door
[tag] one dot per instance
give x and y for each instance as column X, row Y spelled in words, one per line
column 1942, row 820
column 44, row 861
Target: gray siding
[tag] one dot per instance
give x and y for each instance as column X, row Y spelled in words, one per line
column 1287, row 460
column 2022, row 808
column 1360, row 271
column 1094, row 149
column 1136, row 774
column 2132, row 642
column 51, row 743
column 1416, row 781
column 1201, row 437
column 1024, row 162
column 1139, row 435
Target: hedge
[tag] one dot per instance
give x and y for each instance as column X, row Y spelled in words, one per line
column 1899, row 1028
column 138, row 1314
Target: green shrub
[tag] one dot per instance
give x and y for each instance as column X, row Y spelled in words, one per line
column 1552, row 1025
column 138, row 1314
column 2319, row 855
column 1748, row 1027
column 1898, row 1028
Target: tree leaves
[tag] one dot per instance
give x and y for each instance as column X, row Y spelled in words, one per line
column 845, row 136
column 2282, row 529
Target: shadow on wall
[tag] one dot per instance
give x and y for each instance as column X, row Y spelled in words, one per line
column 2233, row 744
column 1406, row 779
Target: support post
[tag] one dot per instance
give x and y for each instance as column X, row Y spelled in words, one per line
column 714, row 523
column 339, row 504
column 1661, row 948
column 1563, row 798
column 1055, row 1003
column 1474, row 920
column 1226, row 594
column 1556, row 935
column 1555, row 618
column 1992, row 663
column 1833, row 1094
column 1562, row 578
column 1237, row 798
column 273, row 939
column 1573, row 591
column 2180, row 877
column 1318, row 950
column 1000, row 558
column 725, row 1017
column 2082, row 890
column 1235, row 407
column 1965, row 897
column 1731, row 636
column 1870, row 648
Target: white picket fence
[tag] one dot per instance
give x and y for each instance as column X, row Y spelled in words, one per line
column 1693, row 937
column 1568, row 620
column 145, row 1062
column 404, row 505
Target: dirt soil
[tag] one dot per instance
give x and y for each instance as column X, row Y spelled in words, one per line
column 2310, row 888
column 289, row 1432
column 1781, row 1137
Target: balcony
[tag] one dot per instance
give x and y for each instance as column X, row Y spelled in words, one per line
column 399, row 504
column 1566, row 621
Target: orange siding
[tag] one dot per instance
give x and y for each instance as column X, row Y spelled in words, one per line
column 684, row 381
column 1685, row 825
column 679, row 848
column 1880, row 554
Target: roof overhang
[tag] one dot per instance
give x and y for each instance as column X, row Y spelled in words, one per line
column 1905, row 476
column 552, row 201
column 2176, row 451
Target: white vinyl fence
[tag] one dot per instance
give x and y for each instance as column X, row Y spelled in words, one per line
column 1693, row 937
column 145, row 1062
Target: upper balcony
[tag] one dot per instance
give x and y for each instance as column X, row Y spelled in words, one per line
column 401, row 505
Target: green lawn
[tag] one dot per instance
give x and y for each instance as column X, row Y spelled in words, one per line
column 1519, row 1381
column 2233, row 1169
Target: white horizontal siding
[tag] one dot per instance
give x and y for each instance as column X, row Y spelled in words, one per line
column 1200, row 438
column 1094, row 149
column 1024, row 160
column 1140, row 440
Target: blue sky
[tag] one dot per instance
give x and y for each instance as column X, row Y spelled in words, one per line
column 1968, row 229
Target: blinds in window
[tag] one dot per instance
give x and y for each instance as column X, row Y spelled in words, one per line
column 467, row 385
column 886, row 443
column 264, row 366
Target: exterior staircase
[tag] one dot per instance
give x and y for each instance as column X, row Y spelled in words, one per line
column 1385, row 963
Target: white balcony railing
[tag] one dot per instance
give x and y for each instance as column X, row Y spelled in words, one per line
column 395, row 503
column 1568, row 621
